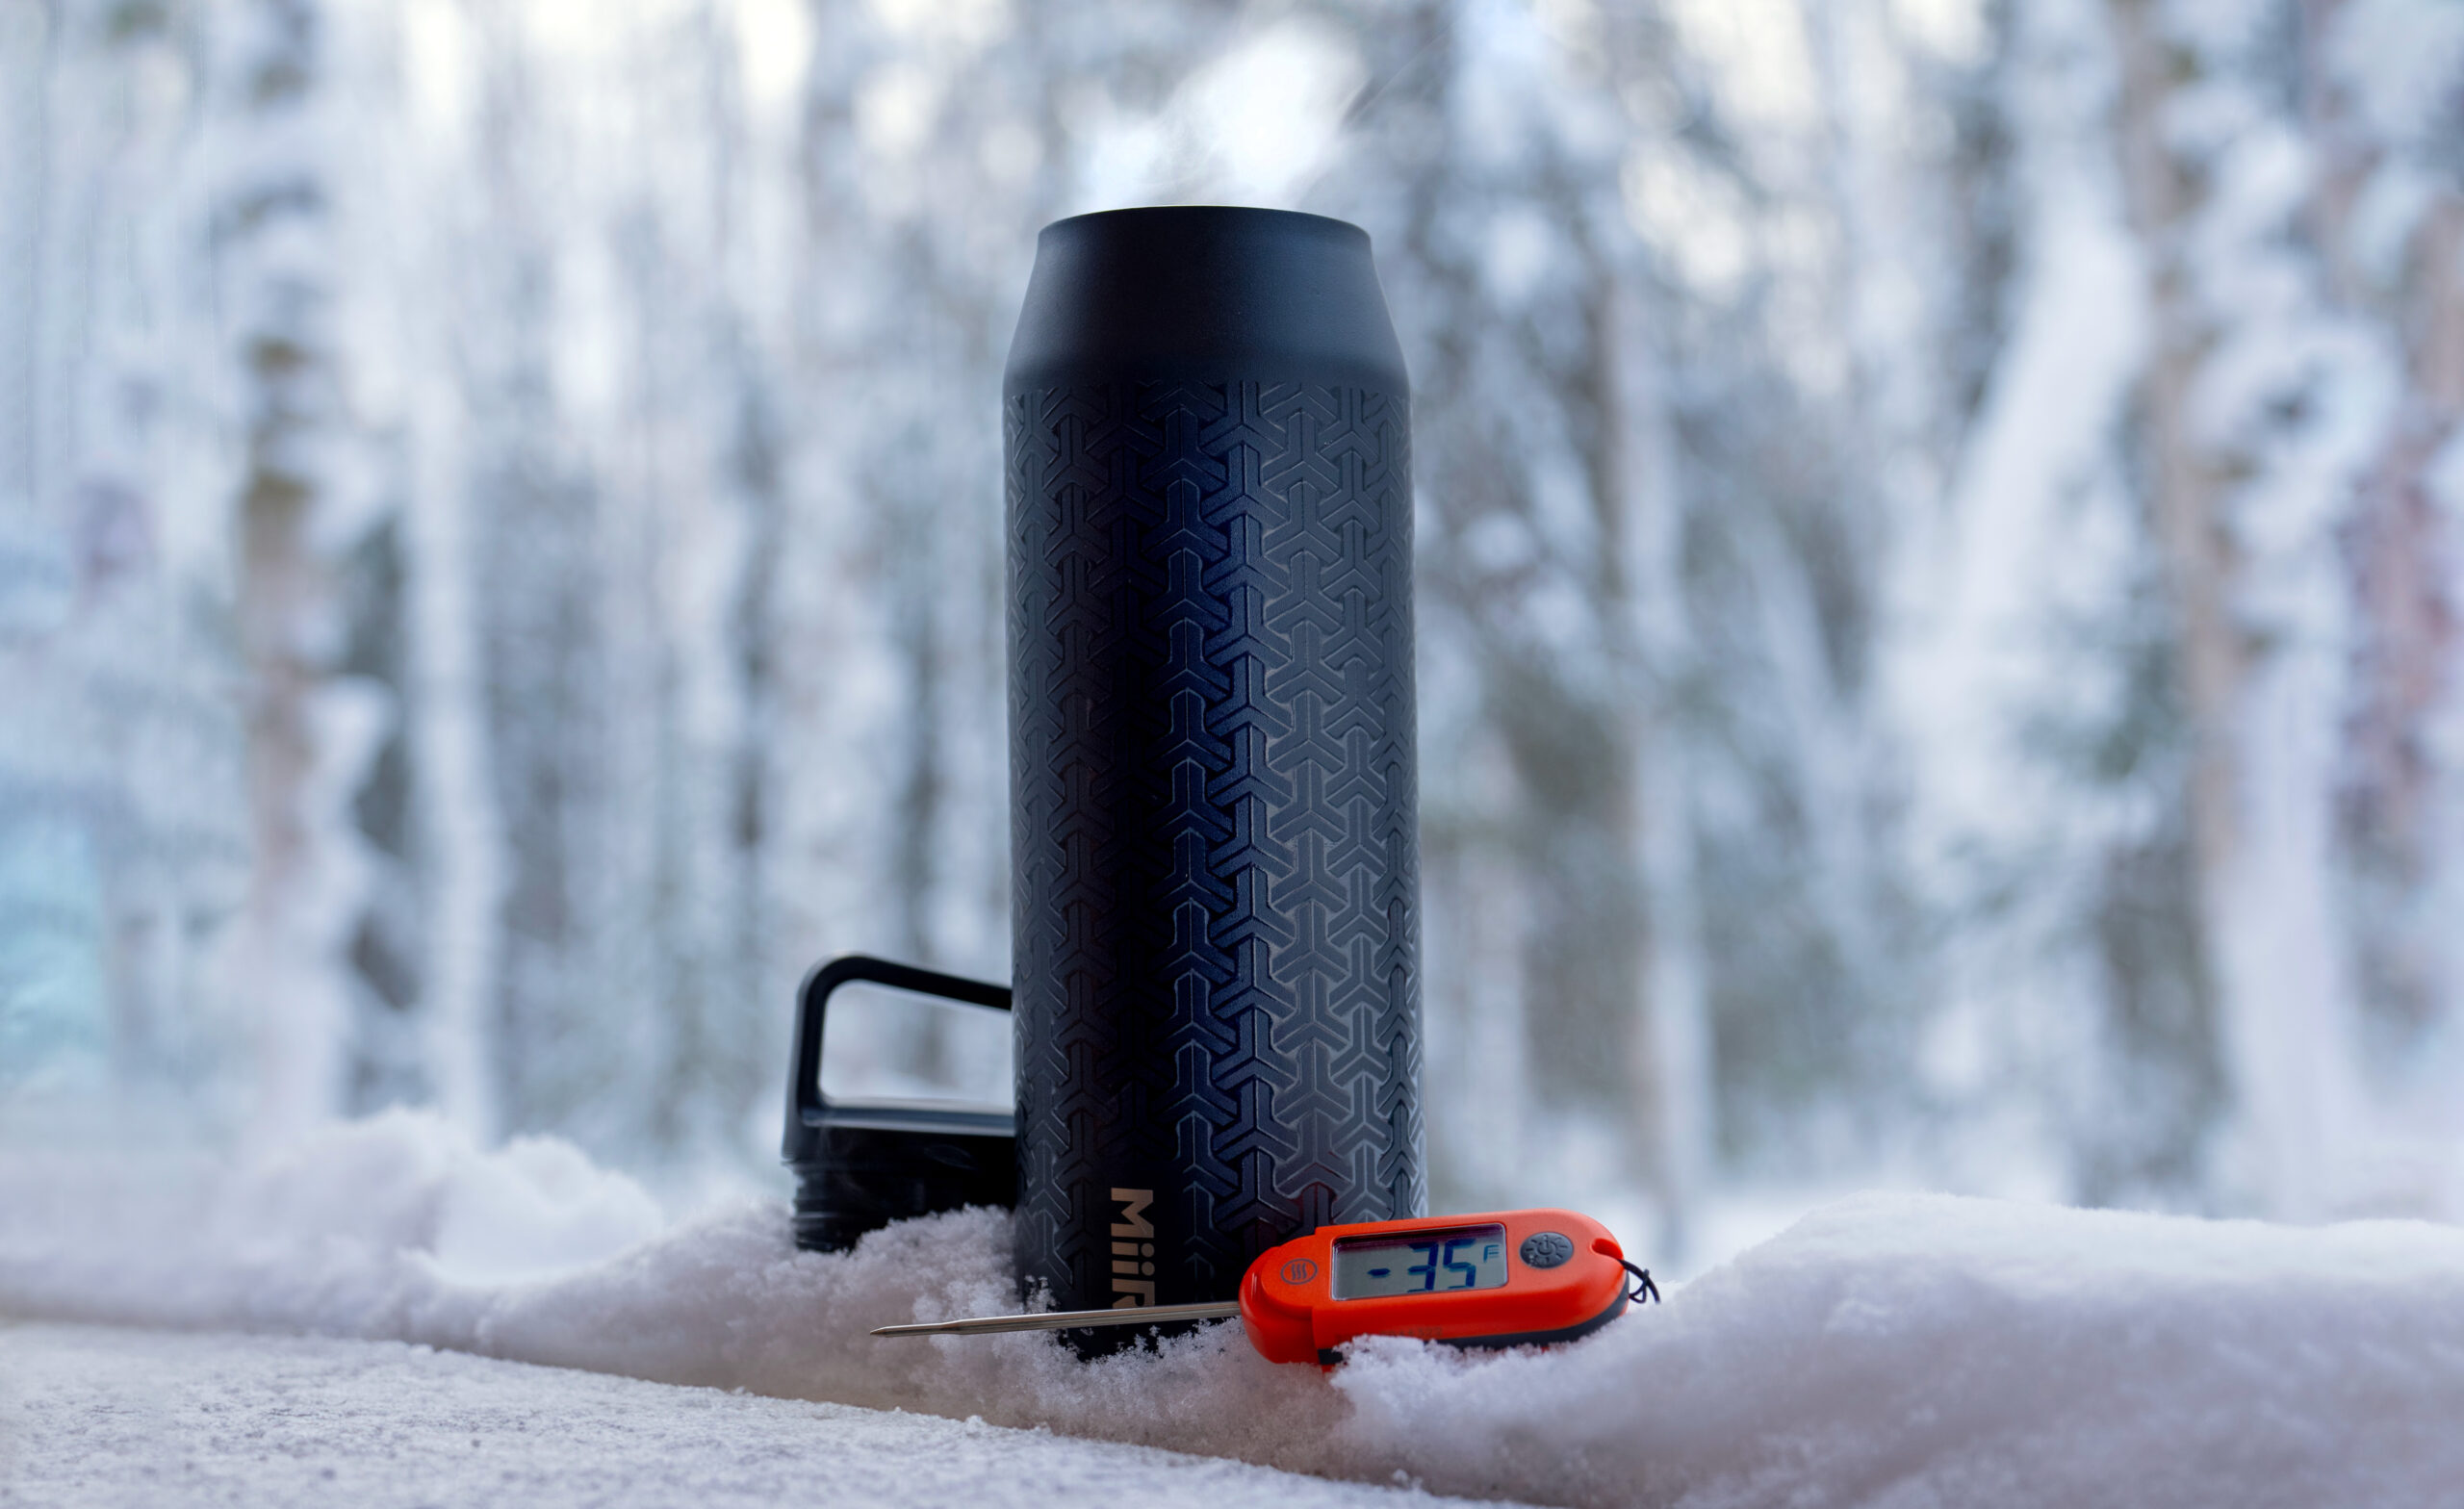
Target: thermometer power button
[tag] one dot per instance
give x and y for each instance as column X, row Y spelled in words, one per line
column 1546, row 1250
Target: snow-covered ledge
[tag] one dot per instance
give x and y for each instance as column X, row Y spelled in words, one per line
column 1886, row 1349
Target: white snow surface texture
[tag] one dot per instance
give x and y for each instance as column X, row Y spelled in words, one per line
column 94, row 1418
column 1898, row 1351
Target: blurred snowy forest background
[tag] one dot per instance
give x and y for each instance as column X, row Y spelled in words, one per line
column 1942, row 524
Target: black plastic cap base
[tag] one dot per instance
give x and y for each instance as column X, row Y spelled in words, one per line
column 868, row 1177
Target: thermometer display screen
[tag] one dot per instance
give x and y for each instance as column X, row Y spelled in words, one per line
column 1420, row 1263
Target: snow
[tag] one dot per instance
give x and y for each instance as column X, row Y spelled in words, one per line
column 643, row 404
column 2403, row 61
column 1887, row 1349
column 98, row 1416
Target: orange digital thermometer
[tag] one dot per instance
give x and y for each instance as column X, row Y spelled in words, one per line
column 1507, row 1278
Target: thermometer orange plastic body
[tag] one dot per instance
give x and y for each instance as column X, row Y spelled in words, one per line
column 1563, row 1276
column 1502, row 1278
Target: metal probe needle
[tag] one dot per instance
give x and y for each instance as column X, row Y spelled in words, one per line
column 1066, row 1319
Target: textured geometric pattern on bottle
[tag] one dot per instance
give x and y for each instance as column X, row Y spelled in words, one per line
column 1214, row 805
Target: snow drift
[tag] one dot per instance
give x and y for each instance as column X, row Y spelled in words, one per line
column 1885, row 1350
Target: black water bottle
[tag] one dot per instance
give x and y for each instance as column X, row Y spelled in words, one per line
column 1213, row 771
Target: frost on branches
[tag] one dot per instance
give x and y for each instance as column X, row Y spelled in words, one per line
column 1933, row 528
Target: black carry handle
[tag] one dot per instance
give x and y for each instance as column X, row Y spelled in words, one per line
column 809, row 1111
column 859, row 1165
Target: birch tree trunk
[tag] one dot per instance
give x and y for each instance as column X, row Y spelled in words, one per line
column 1672, row 1024
column 311, row 732
column 2262, row 398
